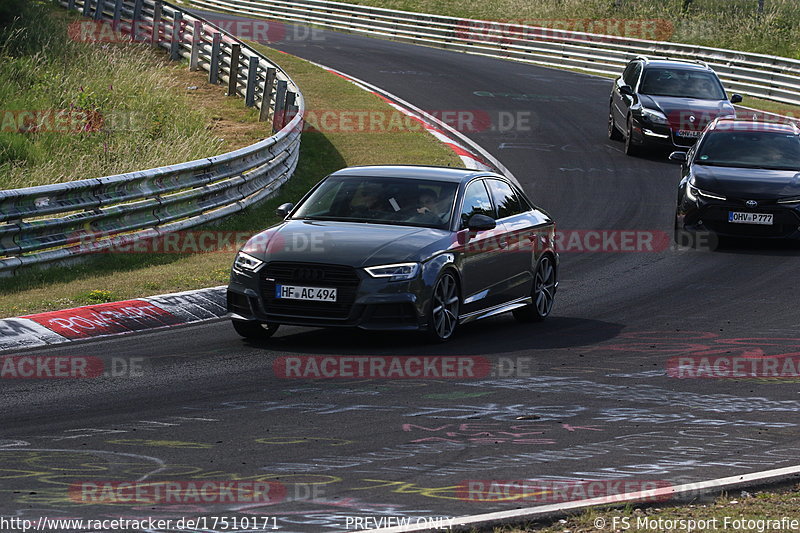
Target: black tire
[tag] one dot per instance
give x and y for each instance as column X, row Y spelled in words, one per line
column 254, row 330
column 630, row 148
column 613, row 133
column 542, row 292
column 444, row 307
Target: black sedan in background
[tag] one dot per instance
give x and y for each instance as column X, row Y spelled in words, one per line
column 659, row 102
column 742, row 179
column 398, row 248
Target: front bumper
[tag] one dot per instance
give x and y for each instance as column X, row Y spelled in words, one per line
column 362, row 302
column 712, row 216
column 659, row 135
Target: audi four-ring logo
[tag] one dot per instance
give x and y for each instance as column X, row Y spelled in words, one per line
column 309, row 274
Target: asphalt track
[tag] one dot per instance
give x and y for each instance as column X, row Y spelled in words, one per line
column 598, row 403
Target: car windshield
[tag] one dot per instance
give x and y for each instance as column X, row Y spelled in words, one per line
column 770, row 150
column 681, row 83
column 397, row 201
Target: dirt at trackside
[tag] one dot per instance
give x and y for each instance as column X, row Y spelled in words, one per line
column 227, row 115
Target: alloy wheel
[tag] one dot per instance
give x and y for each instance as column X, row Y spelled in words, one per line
column 444, row 308
column 544, row 285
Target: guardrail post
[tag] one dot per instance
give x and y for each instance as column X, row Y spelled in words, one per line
column 266, row 94
column 174, row 47
column 117, row 12
column 291, row 109
column 197, row 38
column 280, row 105
column 137, row 14
column 86, row 4
column 156, row 33
column 213, row 68
column 98, row 9
column 250, row 90
column 233, row 78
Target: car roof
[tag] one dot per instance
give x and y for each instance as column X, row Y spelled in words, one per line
column 420, row 172
column 675, row 64
column 744, row 125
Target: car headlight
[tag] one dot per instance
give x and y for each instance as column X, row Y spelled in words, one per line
column 246, row 262
column 656, row 117
column 395, row 272
column 692, row 192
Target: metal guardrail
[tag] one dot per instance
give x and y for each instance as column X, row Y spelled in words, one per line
column 763, row 76
column 39, row 225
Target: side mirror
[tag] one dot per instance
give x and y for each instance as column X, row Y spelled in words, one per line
column 284, row 210
column 736, row 98
column 627, row 90
column 480, row 222
column 678, row 156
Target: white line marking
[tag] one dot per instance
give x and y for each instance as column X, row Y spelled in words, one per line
column 665, row 492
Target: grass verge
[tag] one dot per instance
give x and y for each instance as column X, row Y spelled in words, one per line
column 74, row 110
column 734, row 24
column 117, row 276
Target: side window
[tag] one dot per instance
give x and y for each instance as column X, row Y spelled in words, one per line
column 690, row 153
column 637, row 72
column 626, row 75
column 505, row 198
column 476, row 201
column 631, row 75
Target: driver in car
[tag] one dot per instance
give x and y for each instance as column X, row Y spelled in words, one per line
column 366, row 203
column 427, row 202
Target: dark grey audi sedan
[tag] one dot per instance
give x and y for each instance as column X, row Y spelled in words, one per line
column 398, row 248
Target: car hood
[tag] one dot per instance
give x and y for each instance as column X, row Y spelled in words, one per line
column 345, row 243
column 747, row 183
column 679, row 110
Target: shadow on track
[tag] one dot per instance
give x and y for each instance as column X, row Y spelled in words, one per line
column 492, row 336
column 728, row 245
